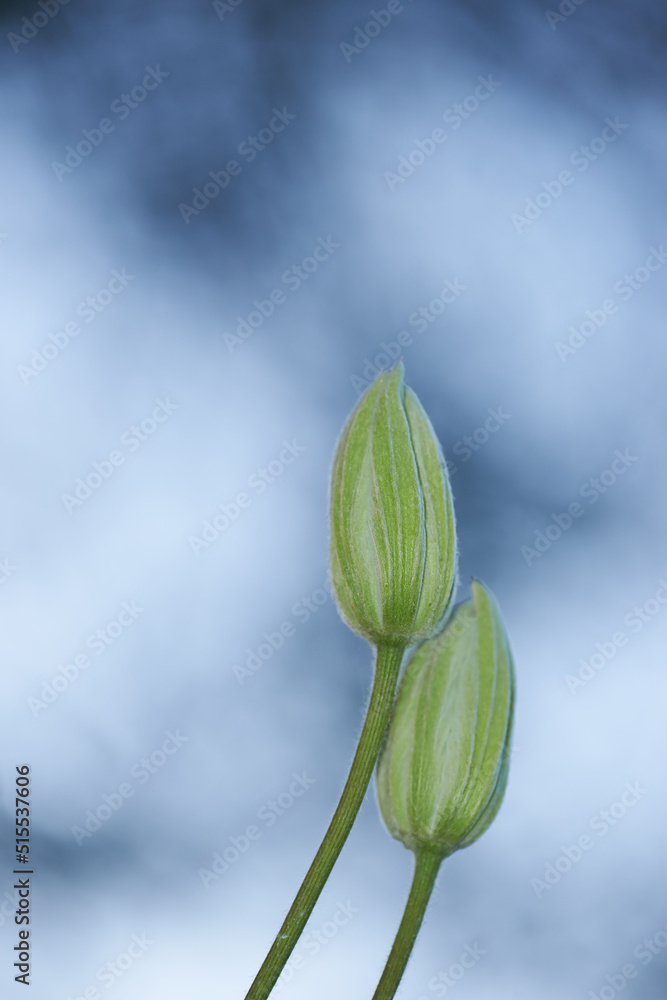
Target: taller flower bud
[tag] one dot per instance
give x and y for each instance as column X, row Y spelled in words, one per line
column 443, row 771
column 393, row 538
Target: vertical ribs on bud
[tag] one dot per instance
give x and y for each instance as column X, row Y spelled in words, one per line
column 393, row 538
column 443, row 771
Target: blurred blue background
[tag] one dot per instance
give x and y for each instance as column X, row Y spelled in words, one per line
column 172, row 341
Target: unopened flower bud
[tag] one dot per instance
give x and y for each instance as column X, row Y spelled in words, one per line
column 393, row 538
column 443, row 771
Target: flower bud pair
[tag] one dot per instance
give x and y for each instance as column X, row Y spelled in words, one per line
column 443, row 771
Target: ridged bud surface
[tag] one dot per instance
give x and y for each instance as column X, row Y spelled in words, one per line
column 443, row 771
column 393, row 537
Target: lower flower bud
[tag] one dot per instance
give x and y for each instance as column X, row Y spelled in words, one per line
column 443, row 771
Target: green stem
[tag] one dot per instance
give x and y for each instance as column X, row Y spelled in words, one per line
column 427, row 866
column 387, row 666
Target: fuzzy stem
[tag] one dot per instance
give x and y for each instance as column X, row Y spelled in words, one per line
column 427, row 866
column 387, row 666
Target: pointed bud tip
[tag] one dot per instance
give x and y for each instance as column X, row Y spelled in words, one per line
column 394, row 376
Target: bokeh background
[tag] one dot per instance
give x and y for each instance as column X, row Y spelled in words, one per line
column 155, row 371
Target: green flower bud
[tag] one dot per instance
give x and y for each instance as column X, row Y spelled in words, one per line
column 393, row 538
column 443, row 770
